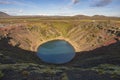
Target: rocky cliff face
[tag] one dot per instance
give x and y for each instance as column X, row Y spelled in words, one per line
column 83, row 35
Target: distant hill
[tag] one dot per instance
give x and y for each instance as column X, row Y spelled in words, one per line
column 96, row 17
column 3, row 14
column 58, row 17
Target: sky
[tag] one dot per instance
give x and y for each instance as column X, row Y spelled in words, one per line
column 61, row 7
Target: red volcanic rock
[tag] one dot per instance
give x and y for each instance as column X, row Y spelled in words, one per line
column 110, row 42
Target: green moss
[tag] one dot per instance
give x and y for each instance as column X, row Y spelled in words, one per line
column 108, row 68
column 65, row 77
column 63, row 27
column 25, row 73
column 1, row 74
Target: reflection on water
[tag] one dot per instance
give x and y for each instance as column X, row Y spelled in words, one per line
column 56, row 51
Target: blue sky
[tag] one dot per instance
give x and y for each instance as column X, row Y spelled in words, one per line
column 61, row 7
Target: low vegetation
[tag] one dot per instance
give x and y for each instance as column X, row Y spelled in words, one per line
column 1, row 74
column 108, row 68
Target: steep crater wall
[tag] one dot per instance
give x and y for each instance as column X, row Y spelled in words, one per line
column 83, row 36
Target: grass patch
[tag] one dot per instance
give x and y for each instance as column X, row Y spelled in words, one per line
column 1, row 74
column 114, row 70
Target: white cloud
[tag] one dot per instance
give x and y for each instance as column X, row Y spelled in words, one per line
column 12, row 11
column 7, row 2
column 75, row 1
column 101, row 3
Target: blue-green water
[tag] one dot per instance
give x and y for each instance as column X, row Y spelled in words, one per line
column 56, row 52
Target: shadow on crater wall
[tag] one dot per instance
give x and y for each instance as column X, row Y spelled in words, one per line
column 16, row 53
column 103, row 55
